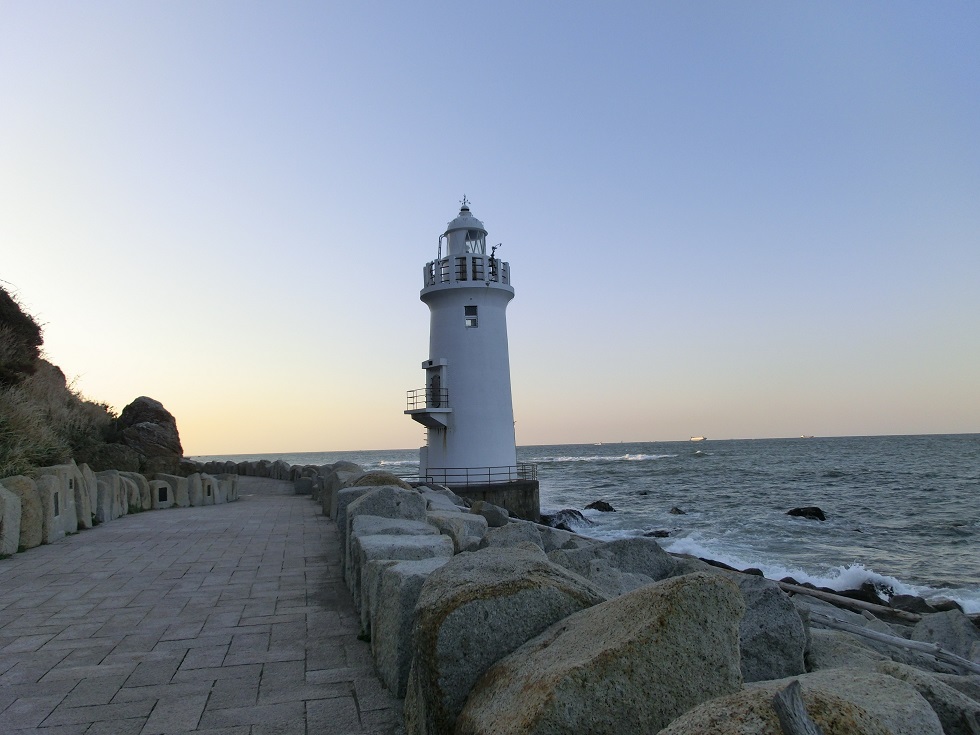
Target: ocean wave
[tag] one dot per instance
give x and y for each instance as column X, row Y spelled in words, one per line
column 598, row 458
column 397, row 462
column 846, row 577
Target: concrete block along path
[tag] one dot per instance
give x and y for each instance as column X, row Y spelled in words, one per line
column 226, row 619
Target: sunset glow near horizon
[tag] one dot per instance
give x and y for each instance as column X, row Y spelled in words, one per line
column 722, row 219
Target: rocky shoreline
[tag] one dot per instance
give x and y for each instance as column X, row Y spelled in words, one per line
column 489, row 624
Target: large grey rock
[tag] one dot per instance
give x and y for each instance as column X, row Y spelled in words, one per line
column 442, row 500
column 618, row 566
column 365, row 525
column 772, row 638
column 833, row 649
column 968, row 684
column 473, row 611
column 333, row 482
column 342, row 500
column 952, row 630
column 958, row 713
column 496, row 516
column 387, row 501
column 642, row 658
column 378, row 478
column 751, row 712
column 399, row 586
column 556, row 538
column 896, row 704
column 31, row 510
column 465, row 529
column 151, row 430
column 9, row 522
column 364, row 549
column 513, row 534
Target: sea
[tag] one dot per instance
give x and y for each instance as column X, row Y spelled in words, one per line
column 902, row 512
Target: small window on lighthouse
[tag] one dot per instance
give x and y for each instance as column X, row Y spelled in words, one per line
column 469, row 314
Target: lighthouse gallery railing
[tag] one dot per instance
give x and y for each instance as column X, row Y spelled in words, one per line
column 462, row 476
column 420, row 398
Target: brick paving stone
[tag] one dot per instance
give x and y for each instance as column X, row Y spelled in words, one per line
column 221, row 620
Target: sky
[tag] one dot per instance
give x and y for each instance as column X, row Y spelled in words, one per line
column 723, row 219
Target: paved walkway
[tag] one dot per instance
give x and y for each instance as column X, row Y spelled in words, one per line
column 229, row 619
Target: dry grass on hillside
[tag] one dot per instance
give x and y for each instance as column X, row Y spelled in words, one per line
column 43, row 421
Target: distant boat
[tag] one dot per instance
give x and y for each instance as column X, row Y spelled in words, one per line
column 698, row 438
column 806, row 436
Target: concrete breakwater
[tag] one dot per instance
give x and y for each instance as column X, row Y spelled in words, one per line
column 63, row 499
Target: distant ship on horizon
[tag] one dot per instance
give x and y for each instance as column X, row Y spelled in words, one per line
column 698, row 438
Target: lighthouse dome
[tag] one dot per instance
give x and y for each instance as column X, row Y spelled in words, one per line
column 466, row 234
column 465, row 221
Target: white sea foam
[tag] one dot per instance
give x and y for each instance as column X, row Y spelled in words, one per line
column 847, row 577
column 598, row 458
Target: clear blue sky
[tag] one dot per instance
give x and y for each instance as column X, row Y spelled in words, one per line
column 723, row 219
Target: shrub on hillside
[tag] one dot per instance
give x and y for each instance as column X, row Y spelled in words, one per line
column 20, row 341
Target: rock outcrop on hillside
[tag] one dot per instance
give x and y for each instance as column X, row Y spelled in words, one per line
column 149, row 429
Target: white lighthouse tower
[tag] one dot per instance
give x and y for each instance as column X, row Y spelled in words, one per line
column 466, row 404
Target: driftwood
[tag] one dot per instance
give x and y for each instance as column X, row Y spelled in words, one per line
column 850, row 603
column 792, row 714
column 930, row 649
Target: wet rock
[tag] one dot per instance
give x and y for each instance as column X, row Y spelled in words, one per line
column 565, row 519
column 601, row 505
column 810, row 512
column 911, row 603
column 657, row 534
column 675, row 511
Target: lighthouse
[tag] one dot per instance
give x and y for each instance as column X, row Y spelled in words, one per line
column 466, row 406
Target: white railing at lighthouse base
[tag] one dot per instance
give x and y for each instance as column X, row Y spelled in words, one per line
column 466, row 476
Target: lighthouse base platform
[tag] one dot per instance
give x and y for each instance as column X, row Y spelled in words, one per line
column 520, row 497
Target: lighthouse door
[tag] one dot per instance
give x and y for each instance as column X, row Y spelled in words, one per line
column 435, row 390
